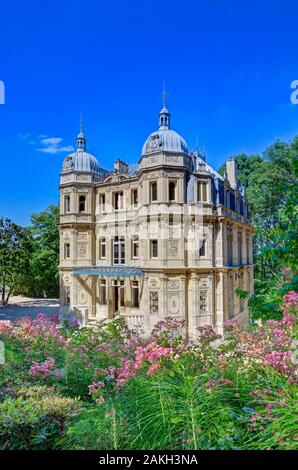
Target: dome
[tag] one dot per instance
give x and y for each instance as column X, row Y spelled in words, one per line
column 165, row 140
column 81, row 161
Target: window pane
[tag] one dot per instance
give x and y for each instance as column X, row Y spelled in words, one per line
column 154, row 249
column 202, row 250
column 82, row 203
column 153, row 191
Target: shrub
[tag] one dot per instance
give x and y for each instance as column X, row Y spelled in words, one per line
column 34, row 419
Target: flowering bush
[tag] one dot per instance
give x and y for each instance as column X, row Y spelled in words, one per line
column 158, row 392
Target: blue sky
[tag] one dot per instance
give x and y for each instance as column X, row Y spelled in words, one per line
column 227, row 66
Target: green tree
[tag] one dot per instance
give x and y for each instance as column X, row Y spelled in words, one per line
column 45, row 258
column 246, row 166
column 271, row 185
column 15, row 253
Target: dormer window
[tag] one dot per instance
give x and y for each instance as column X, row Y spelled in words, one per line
column 202, row 191
column 82, row 203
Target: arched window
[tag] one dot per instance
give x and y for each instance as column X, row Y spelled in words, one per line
column 82, row 203
column 172, row 191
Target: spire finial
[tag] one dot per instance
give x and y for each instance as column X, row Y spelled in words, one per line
column 164, row 95
column 164, row 115
column 81, row 122
column 81, row 139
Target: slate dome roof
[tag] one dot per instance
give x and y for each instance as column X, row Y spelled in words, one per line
column 166, row 140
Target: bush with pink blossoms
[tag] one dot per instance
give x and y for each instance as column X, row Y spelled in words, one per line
column 161, row 392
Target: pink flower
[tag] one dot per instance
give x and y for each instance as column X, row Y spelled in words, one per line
column 6, row 327
column 95, row 387
column 152, row 369
column 43, row 369
column 230, row 324
column 207, row 333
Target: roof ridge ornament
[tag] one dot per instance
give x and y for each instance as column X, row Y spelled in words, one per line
column 164, row 115
column 81, row 139
column 81, row 123
column 164, row 95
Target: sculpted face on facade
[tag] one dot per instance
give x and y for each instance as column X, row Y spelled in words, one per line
column 167, row 236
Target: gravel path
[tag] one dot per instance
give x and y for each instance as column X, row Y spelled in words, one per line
column 26, row 307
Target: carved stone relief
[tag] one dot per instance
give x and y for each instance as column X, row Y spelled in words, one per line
column 82, row 296
column 173, row 247
column 203, row 302
column 174, row 304
column 82, row 250
column 154, row 302
column 154, row 282
column 174, row 284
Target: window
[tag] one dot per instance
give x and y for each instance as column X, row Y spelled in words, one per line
column 135, row 247
column 103, row 292
column 202, row 191
column 102, row 248
column 202, row 249
column 241, row 302
column 118, row 200
column 134, row 197
column 172, row 191
column 102, row 199
column 66, row 203
column 135, row 294
column 67, row 250
column 247, row 250
column 82, row 203
column 119, row 286
column 230, row 247
column 227, row 198
column 153, row 192
column 119, row 251
column 239, row 248
column 154, row 249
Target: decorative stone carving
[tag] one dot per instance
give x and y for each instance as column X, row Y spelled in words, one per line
column 66, row 178
column 68, row 163
column 203, row 302
column 154, row 282
column 66, row 280
column 174, row 304
column 173, row 159
column 82, row 296
column 83, row 177
column 82, row 251
column 154, row 302
column 175, row 284
column 173, row 247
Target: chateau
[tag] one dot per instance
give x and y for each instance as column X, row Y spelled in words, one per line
column 168, row 236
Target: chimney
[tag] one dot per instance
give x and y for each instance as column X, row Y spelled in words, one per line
column 120, row 166
column 232, row 172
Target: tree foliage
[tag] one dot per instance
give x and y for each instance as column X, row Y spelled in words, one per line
column 271, row 184
column 45, row 258
column 16, row 245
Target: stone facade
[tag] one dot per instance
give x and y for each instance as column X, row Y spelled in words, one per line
column 166, row 237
